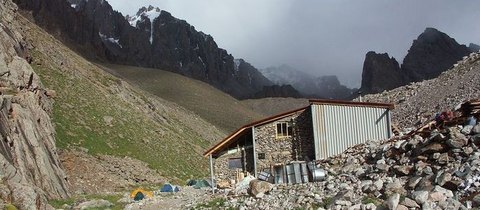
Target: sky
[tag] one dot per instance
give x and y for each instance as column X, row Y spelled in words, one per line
column 327, row 37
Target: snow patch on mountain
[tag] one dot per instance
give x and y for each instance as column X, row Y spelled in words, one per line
column 151, row 13
column 236, row 63
column 110, row 39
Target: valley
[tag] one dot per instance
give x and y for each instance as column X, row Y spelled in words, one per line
column 96, row 105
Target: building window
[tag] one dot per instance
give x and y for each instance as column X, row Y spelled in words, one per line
column 284, row 129
column 234, row 163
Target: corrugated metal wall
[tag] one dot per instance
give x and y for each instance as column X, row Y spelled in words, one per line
column 337, row 127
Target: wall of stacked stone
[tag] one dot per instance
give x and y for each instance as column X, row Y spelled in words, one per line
column 220, row 164
column 299, row 146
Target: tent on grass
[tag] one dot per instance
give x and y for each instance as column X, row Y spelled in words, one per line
column 169, row 188
column 198, row 183
column 140, row 194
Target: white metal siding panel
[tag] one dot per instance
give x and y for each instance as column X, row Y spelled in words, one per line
column 337, row 127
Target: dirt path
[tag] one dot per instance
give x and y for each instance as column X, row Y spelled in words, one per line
column 186, row 198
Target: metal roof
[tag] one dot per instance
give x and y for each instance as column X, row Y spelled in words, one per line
column 352, row 103
column 232, row 137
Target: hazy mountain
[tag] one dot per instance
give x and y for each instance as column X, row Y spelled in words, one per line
column 308, row 85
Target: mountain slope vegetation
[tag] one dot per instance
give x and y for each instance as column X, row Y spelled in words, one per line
column 105, row 115
column 218, row 108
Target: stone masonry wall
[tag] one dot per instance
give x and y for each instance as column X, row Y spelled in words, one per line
column 221, row 170
column 299, row 146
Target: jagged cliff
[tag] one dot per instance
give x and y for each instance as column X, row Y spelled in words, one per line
column 380, row 72
column 432, row 53
column 30, row 170
column 152, row 38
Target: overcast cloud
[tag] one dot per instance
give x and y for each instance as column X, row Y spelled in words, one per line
column 320, row 37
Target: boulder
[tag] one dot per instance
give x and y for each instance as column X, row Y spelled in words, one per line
column 420, row 196
column 258, row 186
column 393, row 201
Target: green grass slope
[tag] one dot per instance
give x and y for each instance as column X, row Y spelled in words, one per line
column 211, row 104
column 100, row 112
column 273, row 106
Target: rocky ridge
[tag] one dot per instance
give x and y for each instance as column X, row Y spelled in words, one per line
column 31, row 171
column 419, row 102
column 152, row 38
column 432, row 53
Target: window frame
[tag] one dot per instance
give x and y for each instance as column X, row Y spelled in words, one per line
column 232, row 166
column 283, row 129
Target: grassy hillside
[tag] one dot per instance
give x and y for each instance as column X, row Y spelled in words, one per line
column 98, row 111
column 211, row 104
column 273, row 106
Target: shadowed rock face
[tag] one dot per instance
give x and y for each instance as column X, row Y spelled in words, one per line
column 474, row 47
column 152, row 38
column 380, row 72
column 432, row 53
column 30, row 169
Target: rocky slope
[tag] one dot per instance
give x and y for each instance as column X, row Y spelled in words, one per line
column 432, row 53
column 107, row 116
column 308, row 85
column 437, row 170
column 30, row 169
column 151, row 38
column 474, row 47
column 419, row 102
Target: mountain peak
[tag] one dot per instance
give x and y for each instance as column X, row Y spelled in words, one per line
column 149, row 12
column 432, row 53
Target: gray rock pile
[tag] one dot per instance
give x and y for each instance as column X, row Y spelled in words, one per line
column 437, row 169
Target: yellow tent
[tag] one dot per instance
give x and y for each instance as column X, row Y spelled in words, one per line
column 148, row 194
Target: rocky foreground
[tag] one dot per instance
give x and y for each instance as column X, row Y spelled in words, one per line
column 438, row 171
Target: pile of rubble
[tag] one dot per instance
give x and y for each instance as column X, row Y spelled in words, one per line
column 437, row 167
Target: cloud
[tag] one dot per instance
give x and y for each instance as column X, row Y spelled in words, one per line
column 319, row 37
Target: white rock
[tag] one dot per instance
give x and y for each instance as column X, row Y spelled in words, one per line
column 393, row 201
column 420, row 196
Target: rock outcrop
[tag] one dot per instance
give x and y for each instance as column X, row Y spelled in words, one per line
column 30, row 169
column 430, row 54
column 151, row 38
column 380, row 72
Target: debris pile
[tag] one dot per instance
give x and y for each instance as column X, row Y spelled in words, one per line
column 437, row 167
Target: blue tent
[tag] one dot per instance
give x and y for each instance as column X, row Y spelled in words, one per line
column 169, row 188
